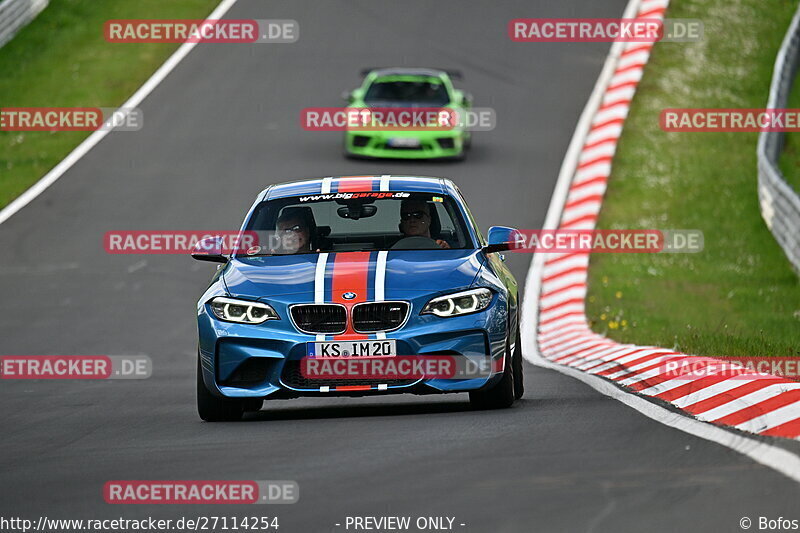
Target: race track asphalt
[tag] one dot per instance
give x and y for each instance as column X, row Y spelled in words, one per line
column 221, row 127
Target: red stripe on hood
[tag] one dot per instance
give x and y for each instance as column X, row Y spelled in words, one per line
column 350, row 274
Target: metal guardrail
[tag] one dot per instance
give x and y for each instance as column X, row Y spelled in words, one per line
column 15, row 14
column 780, row 204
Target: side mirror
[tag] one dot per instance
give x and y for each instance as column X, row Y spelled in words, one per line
column 209, row 249
column 355, row 95
column 352, row 96
column 502, row 238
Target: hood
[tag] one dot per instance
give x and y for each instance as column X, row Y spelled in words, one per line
column 365, row 273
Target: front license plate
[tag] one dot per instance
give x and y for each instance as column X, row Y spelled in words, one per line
column 403, row 142
column 368, row 348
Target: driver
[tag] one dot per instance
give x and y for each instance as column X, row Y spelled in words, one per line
column 415, row 220
column 294, row 233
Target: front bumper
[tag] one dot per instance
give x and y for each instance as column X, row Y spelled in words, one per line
column 432, row 145
column 262, row 361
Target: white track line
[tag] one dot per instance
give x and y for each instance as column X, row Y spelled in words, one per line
column 158, row 76
column 762, row 452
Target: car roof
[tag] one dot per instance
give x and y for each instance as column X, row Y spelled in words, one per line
column 375, row 183
column 408, row 71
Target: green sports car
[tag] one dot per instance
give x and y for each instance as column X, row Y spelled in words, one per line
column 408, row 89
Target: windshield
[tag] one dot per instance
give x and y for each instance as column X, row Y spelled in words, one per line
column 359, row 221
column 427, row 92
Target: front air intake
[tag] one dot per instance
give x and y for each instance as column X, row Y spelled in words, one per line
column 329, row 319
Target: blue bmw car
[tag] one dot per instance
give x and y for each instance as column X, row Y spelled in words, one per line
column 371, row 267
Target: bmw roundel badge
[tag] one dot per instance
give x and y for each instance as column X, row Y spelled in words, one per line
column 349, row 295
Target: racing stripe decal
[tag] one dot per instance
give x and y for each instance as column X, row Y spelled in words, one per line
column 326, row 185
column 319, row 278
column 356, row 184
column 319, row 284
column 380, row 281
column 384, row 182
column 352, row 387
column 363, row 273
column 351, row 274
column 380, row 276
column 370, row 294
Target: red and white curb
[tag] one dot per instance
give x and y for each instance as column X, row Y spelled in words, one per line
column 757, row 403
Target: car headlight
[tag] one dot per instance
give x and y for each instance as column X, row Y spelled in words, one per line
column 242, row 311
column 460, row 303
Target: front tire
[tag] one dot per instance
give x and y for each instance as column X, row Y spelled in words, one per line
column 501, row 396
column 212, row 408
column 519, row 376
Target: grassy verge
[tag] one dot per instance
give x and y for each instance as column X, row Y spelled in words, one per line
column 61, row 60
column 739, row 296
